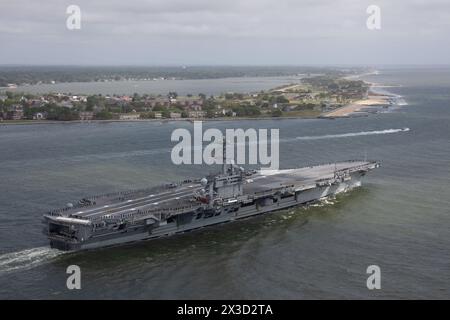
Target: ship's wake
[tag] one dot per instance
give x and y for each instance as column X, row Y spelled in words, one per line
column 26, row 259
column 352, row 134
column 401, row 102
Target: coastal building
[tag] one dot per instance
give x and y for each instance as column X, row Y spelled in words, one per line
column 196, row 107
column 36, row 103
column 14, row 112
column 129, row 116
column 126, row 99
column 225, row 112
column 86, row 115
column 196, row 114
column 164, row 102
column 78, row 98
column 158, row 115
column 65, row 104
column 175, row 115
column 190, row 102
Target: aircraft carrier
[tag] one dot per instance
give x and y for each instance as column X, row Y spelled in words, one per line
column 232, row 194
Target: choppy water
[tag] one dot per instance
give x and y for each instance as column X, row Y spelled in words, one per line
column 399, row 219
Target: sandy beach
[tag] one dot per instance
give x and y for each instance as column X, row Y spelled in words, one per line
column 358, row 106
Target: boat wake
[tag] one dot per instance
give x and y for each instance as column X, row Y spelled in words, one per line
column 352, row 134
column 401, row 102
column 327, row 201
column 139, row 153
column 26, row 259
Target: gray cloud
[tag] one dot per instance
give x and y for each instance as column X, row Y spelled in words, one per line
column 224, row 32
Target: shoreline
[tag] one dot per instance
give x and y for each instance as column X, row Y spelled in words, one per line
column 361, row 107
column 41, row 122
column 371, row 105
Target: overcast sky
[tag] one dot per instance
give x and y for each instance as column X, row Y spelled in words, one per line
column 221, row 32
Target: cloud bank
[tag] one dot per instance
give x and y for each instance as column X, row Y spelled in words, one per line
column 166, row 32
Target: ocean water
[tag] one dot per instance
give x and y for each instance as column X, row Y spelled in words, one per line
column 399, row 220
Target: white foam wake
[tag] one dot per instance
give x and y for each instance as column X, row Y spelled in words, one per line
column 401, row 102
column 26, row 259
column 352, row 134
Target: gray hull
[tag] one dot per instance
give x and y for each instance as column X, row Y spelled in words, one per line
column 202, row 217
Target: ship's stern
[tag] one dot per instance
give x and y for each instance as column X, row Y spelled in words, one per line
column 65, row 233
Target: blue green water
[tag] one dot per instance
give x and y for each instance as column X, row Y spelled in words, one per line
column 399, row 220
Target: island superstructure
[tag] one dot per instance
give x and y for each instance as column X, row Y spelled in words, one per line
column 232, row 194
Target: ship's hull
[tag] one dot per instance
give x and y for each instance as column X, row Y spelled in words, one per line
column 191, row 221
